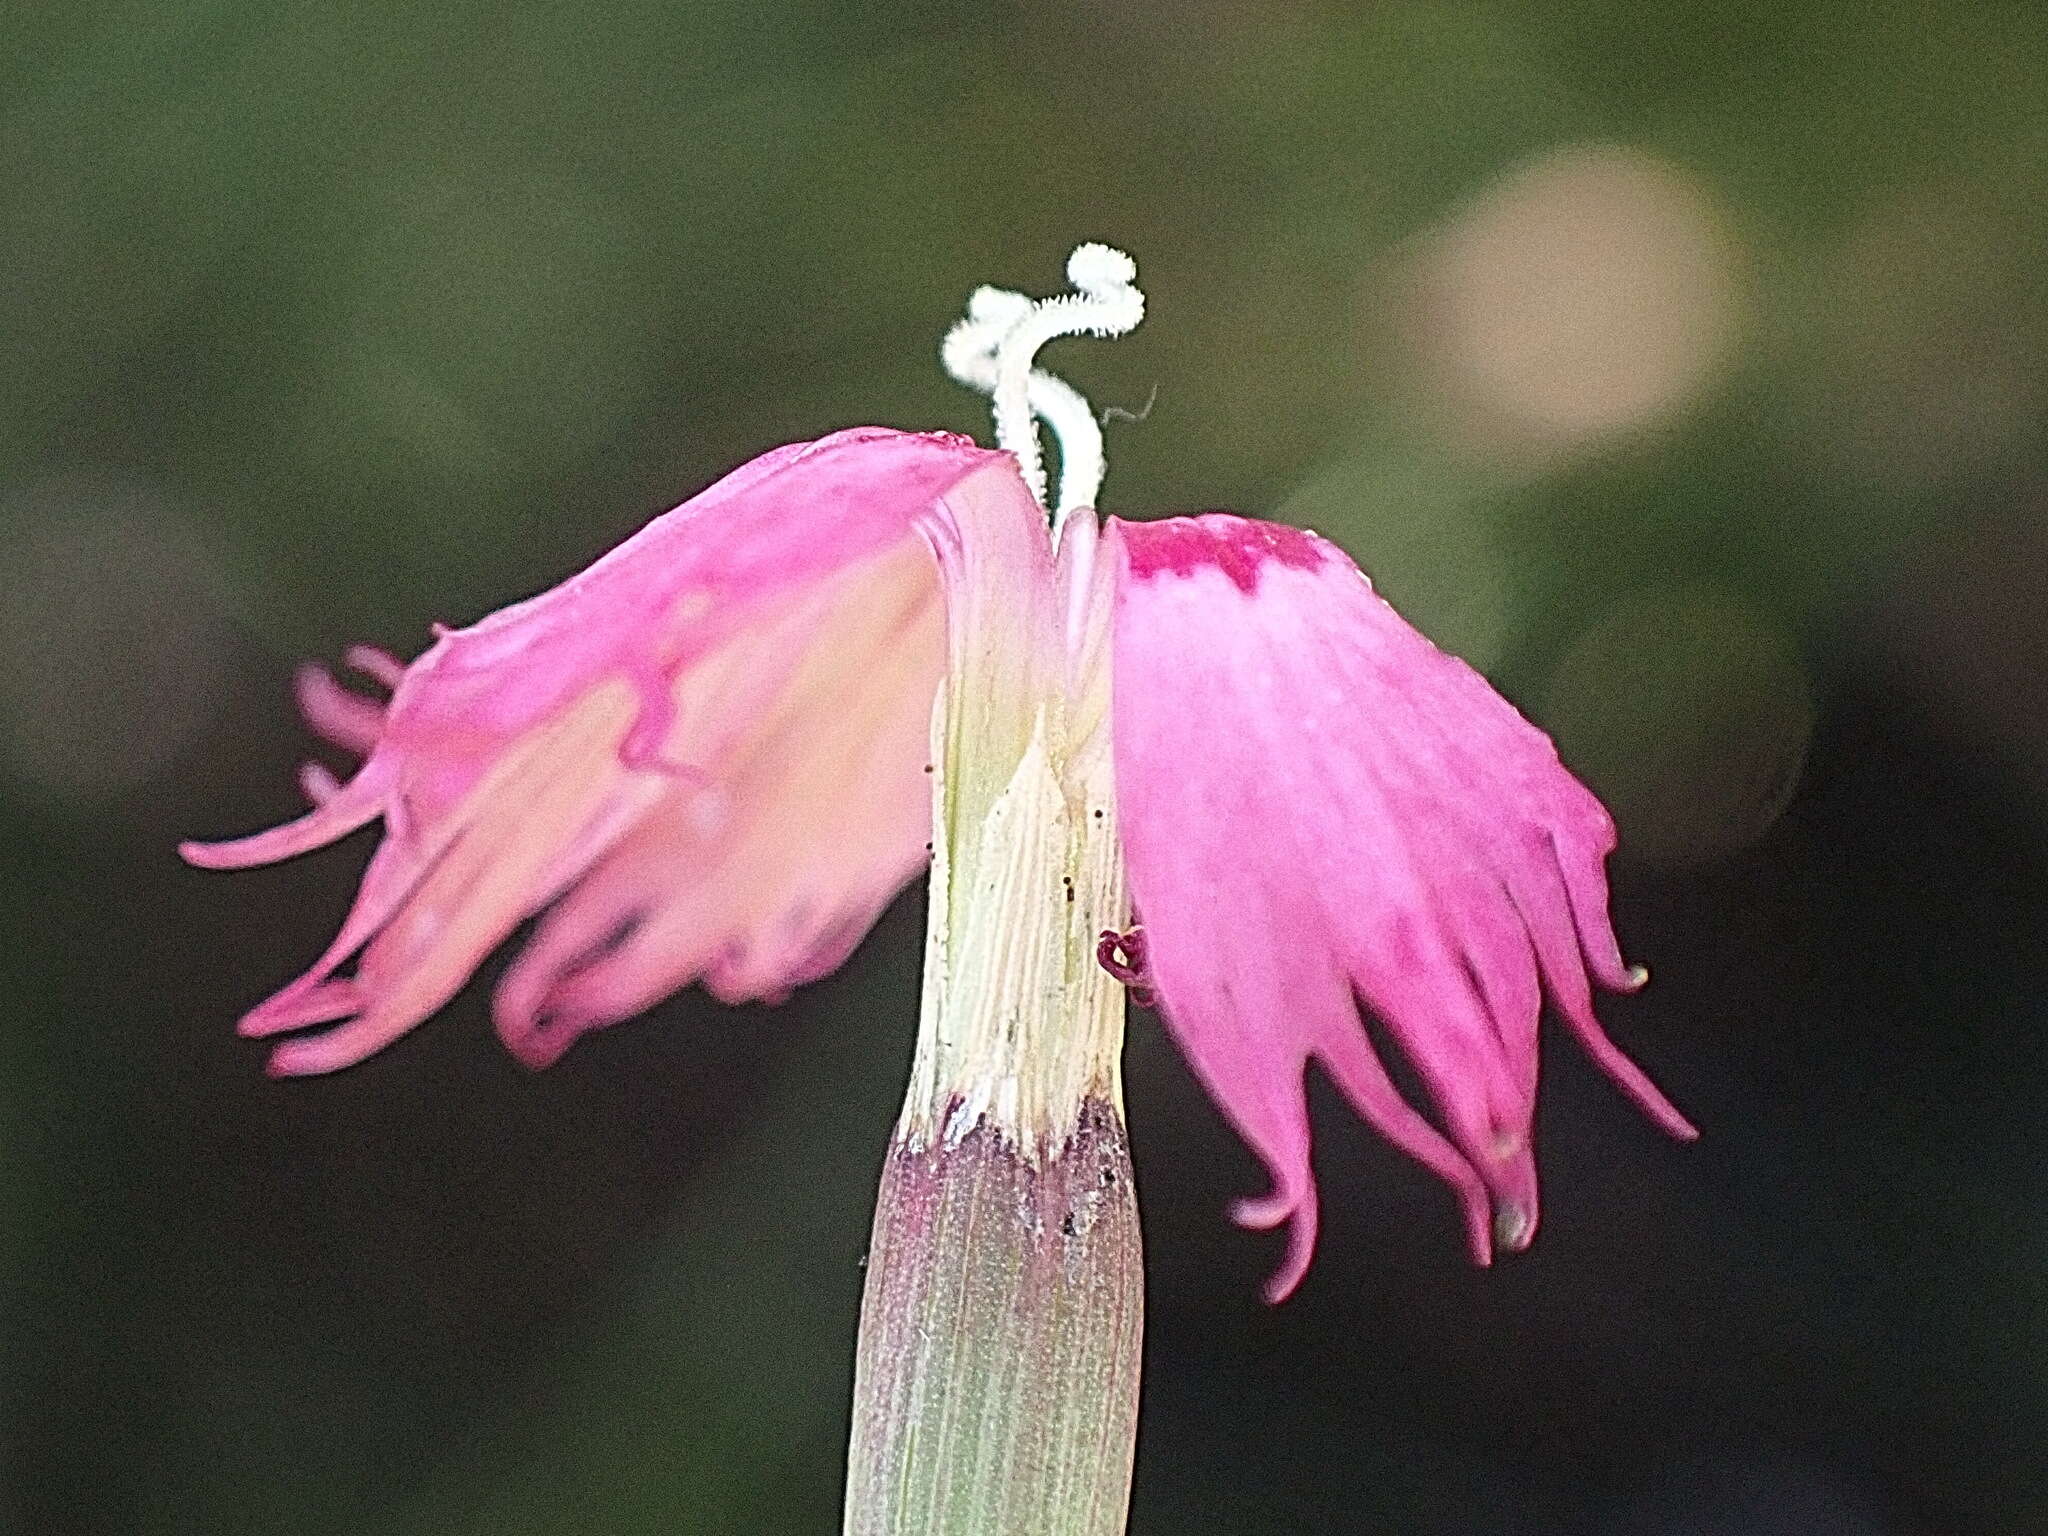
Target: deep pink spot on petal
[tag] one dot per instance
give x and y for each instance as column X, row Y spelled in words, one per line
column 1236, row 546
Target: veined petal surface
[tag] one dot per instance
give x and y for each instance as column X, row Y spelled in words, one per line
column 1321, row 810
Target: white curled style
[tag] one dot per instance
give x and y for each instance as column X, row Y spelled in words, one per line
column 991, row 350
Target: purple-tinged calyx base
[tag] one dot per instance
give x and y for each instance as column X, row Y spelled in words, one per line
column 1000, row 1339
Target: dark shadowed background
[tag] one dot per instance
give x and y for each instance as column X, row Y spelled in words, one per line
column 1681, row 363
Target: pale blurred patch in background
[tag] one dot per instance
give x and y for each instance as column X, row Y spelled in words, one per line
column 1679, row 364
column 1577, row 297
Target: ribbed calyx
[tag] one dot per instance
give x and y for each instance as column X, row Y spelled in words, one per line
column 997, row 1379
column 996, row 1383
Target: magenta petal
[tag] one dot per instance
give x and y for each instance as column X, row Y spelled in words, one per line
column 352, row 805
column 320, row 1002
column 1319, row 807
column 318, row 783
column 375, row 663
column 651, row 741
column 344, row 717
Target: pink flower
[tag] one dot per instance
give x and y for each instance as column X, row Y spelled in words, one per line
column 710, row 757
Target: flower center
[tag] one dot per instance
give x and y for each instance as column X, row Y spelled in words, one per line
column 992, row 348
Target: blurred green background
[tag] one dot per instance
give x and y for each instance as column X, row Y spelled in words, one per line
column 1680, row 363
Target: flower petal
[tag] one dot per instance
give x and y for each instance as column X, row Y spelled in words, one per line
column 1319, row 807
column 729, row 654
column 814, row 726
column 342, row 715
column 345, row 809
column 762, row 873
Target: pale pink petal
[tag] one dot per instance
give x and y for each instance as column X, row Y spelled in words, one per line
column 814, row 728
column 813, row 812
column 767, row 651
column 1318, row 808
